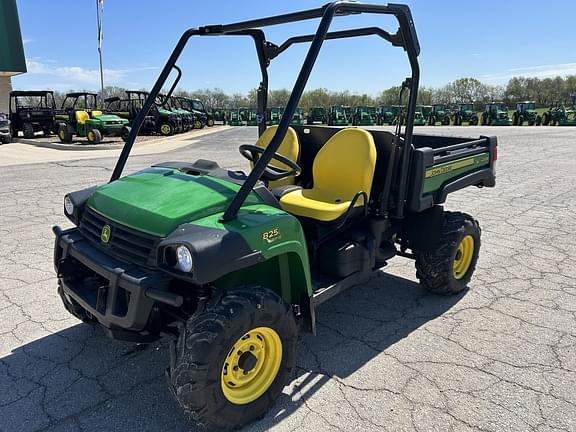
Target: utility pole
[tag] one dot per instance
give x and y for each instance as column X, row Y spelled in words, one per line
column 99, row 13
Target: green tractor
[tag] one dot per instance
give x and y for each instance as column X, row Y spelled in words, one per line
column 251, row 117
column 234, row 118
column 349, row 113
column 559, row 115
column 220, row 115
column 364, row 116
column 386, row 114
column 495, row 114
column 439, row 113
column 298, row 117
column 81, row 116
column 337, row 116
column 464, row 112
column 317, row 115
column 419, row 119
column 426, row 110
column 274, row 116
column 229, row 267
column 129, row 109
column 526, row 112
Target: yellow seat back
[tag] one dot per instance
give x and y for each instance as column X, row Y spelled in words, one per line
column 290, row 147
column 344, row 166
column 81, row 117
column 96, row 113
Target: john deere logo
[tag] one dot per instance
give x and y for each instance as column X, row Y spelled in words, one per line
column 105, row 236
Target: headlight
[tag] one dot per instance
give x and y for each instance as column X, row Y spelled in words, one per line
column 68, row 206
column 183, row 259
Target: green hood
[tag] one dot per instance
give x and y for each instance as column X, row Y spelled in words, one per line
column 158, row 200
column 110, row 118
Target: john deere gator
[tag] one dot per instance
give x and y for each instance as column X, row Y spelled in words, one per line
column 81, row 116
column 229, row 266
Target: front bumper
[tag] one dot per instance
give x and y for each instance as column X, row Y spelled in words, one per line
column 119, row 295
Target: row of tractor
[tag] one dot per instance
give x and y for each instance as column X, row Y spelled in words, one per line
column 81, row 115
column 494, row 114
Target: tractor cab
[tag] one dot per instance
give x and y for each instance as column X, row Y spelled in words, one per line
column 386, row 114
column 526, row 112
column 298, row 117
column 496, row 114
column 364, row 116
column 439, row 113
column 464, row 112
column 274, row 116
column 317, row 115
column 337, row 116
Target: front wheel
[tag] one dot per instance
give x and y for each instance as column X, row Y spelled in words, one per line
column 210, row 122
column 94, row 136
column 449, row 268
column 166, row 129
column 124, row 133
column 232, row 360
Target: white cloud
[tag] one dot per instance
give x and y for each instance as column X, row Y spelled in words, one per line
column 78, row 74
column 27, row 40
column 541, row 71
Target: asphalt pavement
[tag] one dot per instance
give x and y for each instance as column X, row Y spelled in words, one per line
column 388, row 356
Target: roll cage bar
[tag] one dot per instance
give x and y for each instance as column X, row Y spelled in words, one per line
column 405, row 37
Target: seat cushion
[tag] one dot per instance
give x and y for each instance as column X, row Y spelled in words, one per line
column 313, row 204
column 81, row 117
column 290, row 147
column 343, row 167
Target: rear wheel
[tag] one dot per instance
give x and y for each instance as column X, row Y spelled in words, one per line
column 232, row 360
column 545, row 119
column 449, row 268
column 198, row 124
column 210, row 122
column 473, row 120
column 124, row 133
column 28, row 130
column 64, row 134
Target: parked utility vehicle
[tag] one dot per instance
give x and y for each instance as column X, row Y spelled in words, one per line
column 5, row 133
column 230, row 265
column 81, row 116
column 31, row 112
column 386, row 114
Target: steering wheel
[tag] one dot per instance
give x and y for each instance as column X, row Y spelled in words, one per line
column 271, row 173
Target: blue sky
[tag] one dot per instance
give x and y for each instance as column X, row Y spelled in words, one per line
column 492, row 43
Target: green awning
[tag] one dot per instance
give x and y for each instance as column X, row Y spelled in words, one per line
column 12, row 60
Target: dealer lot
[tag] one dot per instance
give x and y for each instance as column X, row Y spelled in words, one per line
column 388, row 356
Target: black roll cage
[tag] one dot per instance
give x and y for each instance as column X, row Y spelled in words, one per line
column 405, row 37
column 77, row 96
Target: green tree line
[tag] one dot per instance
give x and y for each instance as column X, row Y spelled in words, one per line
column 544, row 92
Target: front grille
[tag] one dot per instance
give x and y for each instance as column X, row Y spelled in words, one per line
column 125, row 243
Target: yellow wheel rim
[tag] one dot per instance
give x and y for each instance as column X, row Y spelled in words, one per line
column 62, row 135
column 90, row 136
column 165, row 129
column 251, row 365
column 463, row 257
